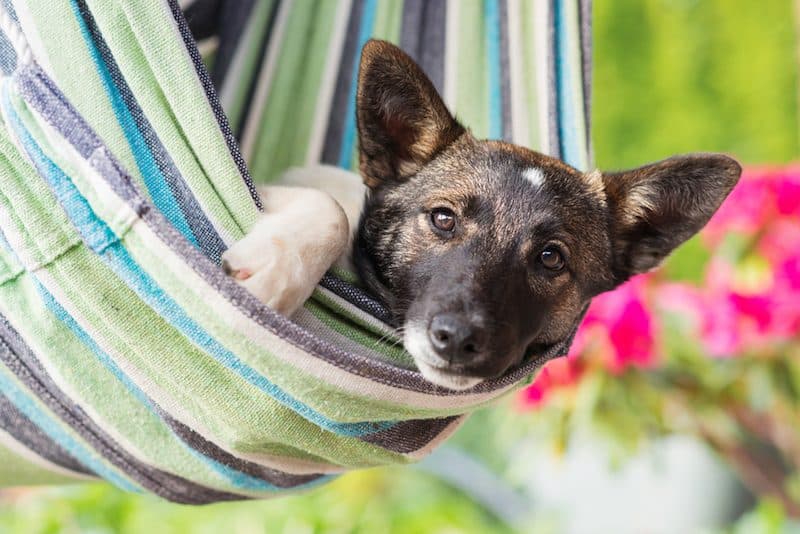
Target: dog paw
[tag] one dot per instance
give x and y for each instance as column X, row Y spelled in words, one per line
column 283, row 257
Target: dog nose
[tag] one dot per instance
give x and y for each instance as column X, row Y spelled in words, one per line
column 455, row 338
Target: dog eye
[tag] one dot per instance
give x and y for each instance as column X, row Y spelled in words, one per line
column 443, row 219
column 552, row 258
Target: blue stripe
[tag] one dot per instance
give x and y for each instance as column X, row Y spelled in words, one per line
column 207, row 237
column 349, row 134
column 567, row 114
column 101, row 239
column 154, row 179
column 491, row 14
column 53, row 429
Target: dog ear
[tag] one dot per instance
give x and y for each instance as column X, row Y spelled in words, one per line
column 402, row 121
column 657, row 207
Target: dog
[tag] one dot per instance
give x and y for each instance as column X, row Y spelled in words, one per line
column 483, row 251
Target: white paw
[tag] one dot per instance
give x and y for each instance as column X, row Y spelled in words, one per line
column 283, row 257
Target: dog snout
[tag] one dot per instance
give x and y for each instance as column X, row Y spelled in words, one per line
column 455, row 338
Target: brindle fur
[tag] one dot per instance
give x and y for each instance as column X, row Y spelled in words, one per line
column 415, row 157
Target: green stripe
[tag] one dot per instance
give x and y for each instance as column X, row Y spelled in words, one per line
column 282, row 140
column 473, row 91
column 531, row 56
column 28, row 203
column 387, row 26
column 348, row 324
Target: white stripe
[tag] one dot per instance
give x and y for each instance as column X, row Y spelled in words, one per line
column 15, row 36
column 253, row 119
column 31, row 32
column 541, row 46
column 519, row 107
column 24, row 452
column 333, row 62
column 452, row 31
column 576, row 91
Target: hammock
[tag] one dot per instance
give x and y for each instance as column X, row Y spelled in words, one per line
column 125, row 352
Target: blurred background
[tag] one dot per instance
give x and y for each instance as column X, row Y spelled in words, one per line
column 677, row 410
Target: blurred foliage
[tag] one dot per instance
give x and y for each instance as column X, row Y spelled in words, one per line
column 392, row 500
column 670, row 76
column 676, row 76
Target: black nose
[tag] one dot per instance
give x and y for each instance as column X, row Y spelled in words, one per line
column 455, row 338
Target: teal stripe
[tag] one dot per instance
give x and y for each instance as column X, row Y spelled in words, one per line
column 491, row 15
column 154, row 179
column 568, row 115
column 349, row 136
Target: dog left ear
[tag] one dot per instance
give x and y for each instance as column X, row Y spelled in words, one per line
column 402, row 121
column 657, row 207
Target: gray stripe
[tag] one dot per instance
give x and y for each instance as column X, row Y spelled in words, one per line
column 585, row 21
column 423, row 36
column 356, row 297
column 232, row 21
column 410, row 436
column 28, row 434
column 213, row 100
column 505, row 72
column 341, row 94
column 207, row 238
column 21, row 361
column 40, row 93
column 213, row 451
column 554, row 132
column 8, row 56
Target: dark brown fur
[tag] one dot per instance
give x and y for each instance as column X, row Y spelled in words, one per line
column 415, row 157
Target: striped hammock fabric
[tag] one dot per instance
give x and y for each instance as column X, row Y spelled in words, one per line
column 125, row 352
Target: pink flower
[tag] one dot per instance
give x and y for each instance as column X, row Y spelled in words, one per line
column 557, row 374
column 628, row 323
column 787, row 193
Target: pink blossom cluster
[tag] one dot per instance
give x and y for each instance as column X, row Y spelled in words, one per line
column 749, row 299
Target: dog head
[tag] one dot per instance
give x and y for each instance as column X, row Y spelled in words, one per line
column 487, row 252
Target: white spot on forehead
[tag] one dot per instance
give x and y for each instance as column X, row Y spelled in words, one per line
column 534, row 176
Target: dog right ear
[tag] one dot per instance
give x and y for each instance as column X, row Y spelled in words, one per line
column 402, row 121
column 657, row 207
